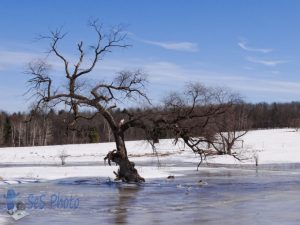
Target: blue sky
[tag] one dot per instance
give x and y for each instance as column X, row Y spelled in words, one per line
column 251, row 46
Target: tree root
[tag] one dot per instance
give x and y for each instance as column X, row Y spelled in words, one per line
column 126, row 171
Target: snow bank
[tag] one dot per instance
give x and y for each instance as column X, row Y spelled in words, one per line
column 269, row 146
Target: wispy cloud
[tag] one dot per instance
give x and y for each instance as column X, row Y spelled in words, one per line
column 18, row 60
column 275, row 72
column 184, row 46
column 165, row 76
column 15, row 58
column 2, row 67
column 243, row 45
column 268, row 86
column 248, row 68
column 176, row 46
column 266, row 62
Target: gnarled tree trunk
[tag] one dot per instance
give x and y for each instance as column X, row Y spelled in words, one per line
column 127, row 171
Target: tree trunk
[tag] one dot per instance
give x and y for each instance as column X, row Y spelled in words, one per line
column 33, row 135
column 20, row 133
column 13, row 136
column 127, row 171
column 229, row 147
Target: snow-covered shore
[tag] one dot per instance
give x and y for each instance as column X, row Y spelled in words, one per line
column 270, row 146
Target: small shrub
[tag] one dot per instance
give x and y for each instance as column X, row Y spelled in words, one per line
column 63, row 156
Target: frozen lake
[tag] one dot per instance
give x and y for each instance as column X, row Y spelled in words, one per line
column 231, row 196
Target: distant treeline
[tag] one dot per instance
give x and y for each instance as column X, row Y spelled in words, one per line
column 275, row 115
column 53, row 128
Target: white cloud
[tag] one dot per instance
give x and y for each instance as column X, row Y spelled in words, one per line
column 171, row 76
column 248, row 68
column 275, row 72
column 164, row 72
column 2, row 67
column 17, row 58
column 165, row 76
column 266, row 62
column 243, row 45
column 176, row 46
column 275, row 87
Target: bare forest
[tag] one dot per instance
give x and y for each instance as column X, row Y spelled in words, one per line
column 22, row 129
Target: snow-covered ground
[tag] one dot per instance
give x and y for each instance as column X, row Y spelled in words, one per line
column 31, row 163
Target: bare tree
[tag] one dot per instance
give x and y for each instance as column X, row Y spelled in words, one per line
column 103, row 97
column 195, row 113
column 230, row 128
column 295, row 123
column 189, row 116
